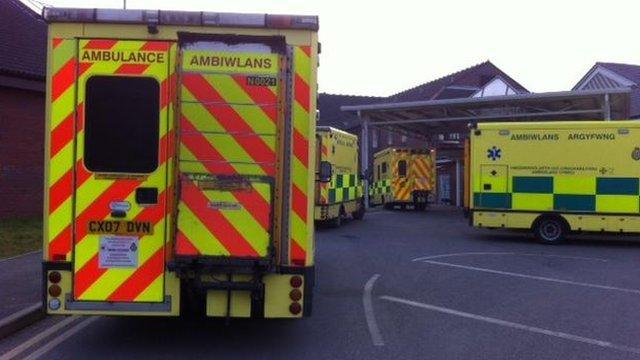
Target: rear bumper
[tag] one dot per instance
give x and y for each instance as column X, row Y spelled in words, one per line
column 65, row 304
column 266, row 293
column 420, row 196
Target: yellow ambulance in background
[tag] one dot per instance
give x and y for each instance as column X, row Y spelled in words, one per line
column 403, row 176
column 339, row 191
column 555, row 177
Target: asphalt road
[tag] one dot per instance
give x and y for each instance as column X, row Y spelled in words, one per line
column 20, row 277
column 406, row 285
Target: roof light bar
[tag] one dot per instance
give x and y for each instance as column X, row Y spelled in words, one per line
column 233, row 19
column 180, row 18
column 194, row 18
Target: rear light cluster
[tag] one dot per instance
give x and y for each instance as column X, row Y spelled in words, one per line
column 161, row 17
column 54, row 290
column 295, row 295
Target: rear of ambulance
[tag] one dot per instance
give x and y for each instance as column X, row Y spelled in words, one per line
column 180, row 165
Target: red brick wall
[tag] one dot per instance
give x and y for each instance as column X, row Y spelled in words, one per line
column 21, row 152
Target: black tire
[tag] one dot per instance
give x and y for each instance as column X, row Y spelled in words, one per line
column 388, row 206
column 419, row 206
column 335, row 222
column 359, row 214
column 550, row 230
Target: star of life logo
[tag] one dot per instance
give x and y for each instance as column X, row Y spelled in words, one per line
column 494, row 153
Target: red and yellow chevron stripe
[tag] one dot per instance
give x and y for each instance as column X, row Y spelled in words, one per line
column 227, row 128
column 302, row 180
column 94, row 194
column 242, row 231
column 60, row 177
column 401, row 186
column 421, row 172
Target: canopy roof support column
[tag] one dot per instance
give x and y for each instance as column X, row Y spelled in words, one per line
column 364, row 156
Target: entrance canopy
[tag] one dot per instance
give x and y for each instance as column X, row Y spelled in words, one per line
column 425, row 117
column 432, row 117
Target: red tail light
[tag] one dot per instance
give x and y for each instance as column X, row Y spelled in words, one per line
column 55, row 290
column 296, row 281
column 55, row 277
column 295, row 295
column 295, row 308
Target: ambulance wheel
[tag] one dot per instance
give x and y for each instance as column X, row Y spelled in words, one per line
column 359, row 214
column 550, row 230
column 388, row 206
column 335, row 222
column 419, row 206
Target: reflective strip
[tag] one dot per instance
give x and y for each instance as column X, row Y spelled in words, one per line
column 93, row 196
column 227, row 128
column 260, row 149
column 344, row 187
column 61, row 156
column 220, row 227
column 303, row 130
column 380, row 187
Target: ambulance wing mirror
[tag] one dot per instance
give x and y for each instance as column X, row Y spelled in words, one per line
column 324, row 174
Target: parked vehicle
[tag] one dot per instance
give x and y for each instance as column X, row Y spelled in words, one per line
column 555, row 177
column 403, row 176
column 339, row 187
column 180, row 162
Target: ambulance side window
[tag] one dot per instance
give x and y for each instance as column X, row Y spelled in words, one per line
column 402, row 168
column 122, row 124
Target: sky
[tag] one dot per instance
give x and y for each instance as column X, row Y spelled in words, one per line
column 379, row 48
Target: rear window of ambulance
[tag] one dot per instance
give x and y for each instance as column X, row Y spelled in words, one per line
column 402, row 168
column 122, row 124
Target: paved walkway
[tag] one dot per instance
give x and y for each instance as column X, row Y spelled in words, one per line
column 20, row 278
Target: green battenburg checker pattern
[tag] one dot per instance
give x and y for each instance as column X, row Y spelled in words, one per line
column 344, row 187
column 602, row 194
column 380, row 187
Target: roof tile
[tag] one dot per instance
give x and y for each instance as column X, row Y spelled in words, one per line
column 23, row 40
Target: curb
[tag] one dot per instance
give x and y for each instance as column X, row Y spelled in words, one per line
column 21, row 319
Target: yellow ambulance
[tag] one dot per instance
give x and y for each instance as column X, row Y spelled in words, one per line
column 339, row 187
column 555, row 177
column 403, row 176
column 179, row 163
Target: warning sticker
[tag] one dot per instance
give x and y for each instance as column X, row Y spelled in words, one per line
column 119, row 252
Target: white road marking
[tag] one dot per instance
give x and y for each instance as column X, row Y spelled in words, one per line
column 21, row 255
column 513, row 325
column 20, row 313
column 374, row 331
column 507, row 253
column 533, row 277
column 37, row 338
column 61, row 338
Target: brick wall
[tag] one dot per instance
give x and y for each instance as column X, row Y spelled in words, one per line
column 21, row 152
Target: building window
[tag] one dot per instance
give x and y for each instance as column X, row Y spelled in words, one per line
column 374, row 138
column 378, row 178
column 402, row 168
column 384, row 167
column 389, row 138
column 404, row 138
column 122, row 124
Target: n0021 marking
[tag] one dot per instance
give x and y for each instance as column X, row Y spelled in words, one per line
column 262, row 81
column 120, row 227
